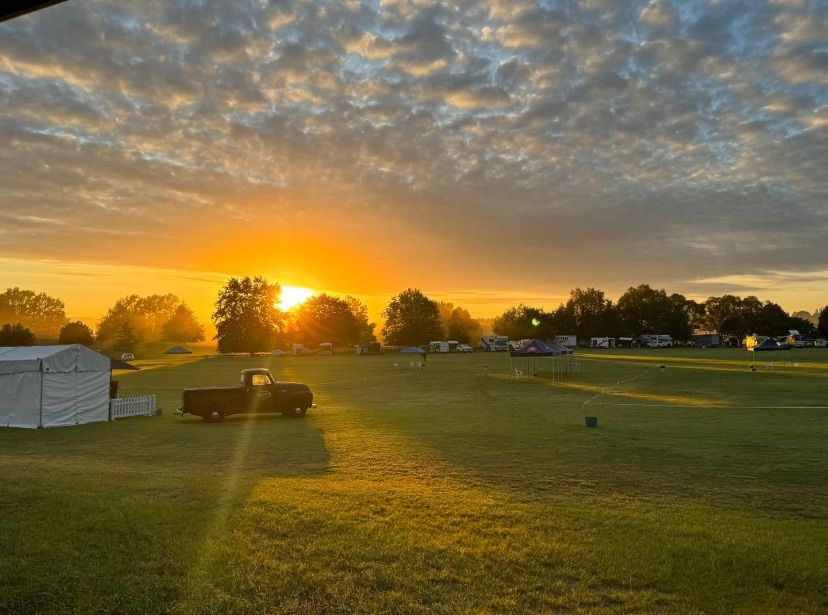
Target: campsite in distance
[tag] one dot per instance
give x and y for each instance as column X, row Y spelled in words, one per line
column 406, row 307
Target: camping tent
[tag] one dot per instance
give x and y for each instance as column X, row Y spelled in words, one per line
column 51, row 386
column 177, row 350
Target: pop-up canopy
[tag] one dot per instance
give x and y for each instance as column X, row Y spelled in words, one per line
column 768, row 345
column 50, row 386
column 538, row 349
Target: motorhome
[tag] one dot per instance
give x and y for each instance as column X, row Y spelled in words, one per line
column 655, row 341
column 602, row 342
column 494, row 343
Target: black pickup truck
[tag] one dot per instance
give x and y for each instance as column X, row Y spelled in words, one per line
column 258, row 392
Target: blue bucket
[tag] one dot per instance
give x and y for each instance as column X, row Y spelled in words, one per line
column 591, row 421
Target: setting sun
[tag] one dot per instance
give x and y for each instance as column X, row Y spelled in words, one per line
column 293, row 296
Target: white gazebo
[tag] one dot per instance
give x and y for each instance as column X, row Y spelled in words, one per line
column 53, row 386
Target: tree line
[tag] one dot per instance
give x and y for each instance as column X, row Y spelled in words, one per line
column 644, row 310
column 130, row 322
column 247, row 319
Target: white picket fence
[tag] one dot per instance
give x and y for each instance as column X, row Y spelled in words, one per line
column 142, row 405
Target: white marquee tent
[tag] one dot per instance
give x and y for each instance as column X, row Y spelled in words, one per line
column 52, row 386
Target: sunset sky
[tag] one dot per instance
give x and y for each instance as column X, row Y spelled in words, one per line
column 488, row 152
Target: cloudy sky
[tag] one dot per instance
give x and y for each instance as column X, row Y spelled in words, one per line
column 491, row 152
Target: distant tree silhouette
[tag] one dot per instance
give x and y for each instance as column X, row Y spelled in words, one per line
column 127, row 340
column 822, row 322
column 146, row 315
column 411, row 318
column 524, row 322
column 16, row 335
column 360, row 312
column 76, row 333
column 462, row 327
column 324, row 318
column 646, row 310
column 183, row 326
column 593, row 314
column 43, row 314
column 246, row 316
column 458, row 323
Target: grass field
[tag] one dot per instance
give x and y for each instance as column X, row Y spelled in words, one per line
column 456, row 489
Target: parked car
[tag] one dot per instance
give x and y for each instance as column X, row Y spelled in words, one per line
column 464, row 348
column 127, row 356
column 257, row 392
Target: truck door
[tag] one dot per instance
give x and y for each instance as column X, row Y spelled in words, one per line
column 260, row 393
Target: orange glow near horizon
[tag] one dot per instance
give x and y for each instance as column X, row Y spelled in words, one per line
column 292, row 296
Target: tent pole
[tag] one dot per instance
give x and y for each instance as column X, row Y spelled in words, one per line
column 40, row 410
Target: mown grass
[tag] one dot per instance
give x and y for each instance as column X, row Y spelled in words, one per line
column 453, row 489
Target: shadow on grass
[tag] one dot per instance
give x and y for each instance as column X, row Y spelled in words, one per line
column 91, row 516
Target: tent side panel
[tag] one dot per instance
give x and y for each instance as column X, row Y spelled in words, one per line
column 90, row 361
column 59, row 399
column 93, row 396
column 20, row 400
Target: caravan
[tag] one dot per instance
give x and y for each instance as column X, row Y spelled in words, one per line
column 441, row 346
column 570, row 341
column 602, row 342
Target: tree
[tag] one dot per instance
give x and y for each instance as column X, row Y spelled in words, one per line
column 593, row 314
column 43, row 314
column 76, row 333
column 805, row 315
column 182, row 326
column 411, row 318
column 822, row 322
column 146, row 315
column 646, row 310
column 360, row 312
column 524, row 322
column 16, row 335
column 127, row 340
column 458, row 323
column 772, row 320
column 324, row 318
column 462, row 327
column 246, row 316
column 722, row 314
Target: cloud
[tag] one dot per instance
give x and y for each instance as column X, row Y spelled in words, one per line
column 605, row 143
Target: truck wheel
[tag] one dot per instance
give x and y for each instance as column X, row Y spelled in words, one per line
column 297, row 412
column 215, row 414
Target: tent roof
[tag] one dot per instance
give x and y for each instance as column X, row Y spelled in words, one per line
column 412, row 350
column 768, row 344
column 556, row 346
column 122, row 365
column 60, row 358
column 537, row 348
column 178, row 350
